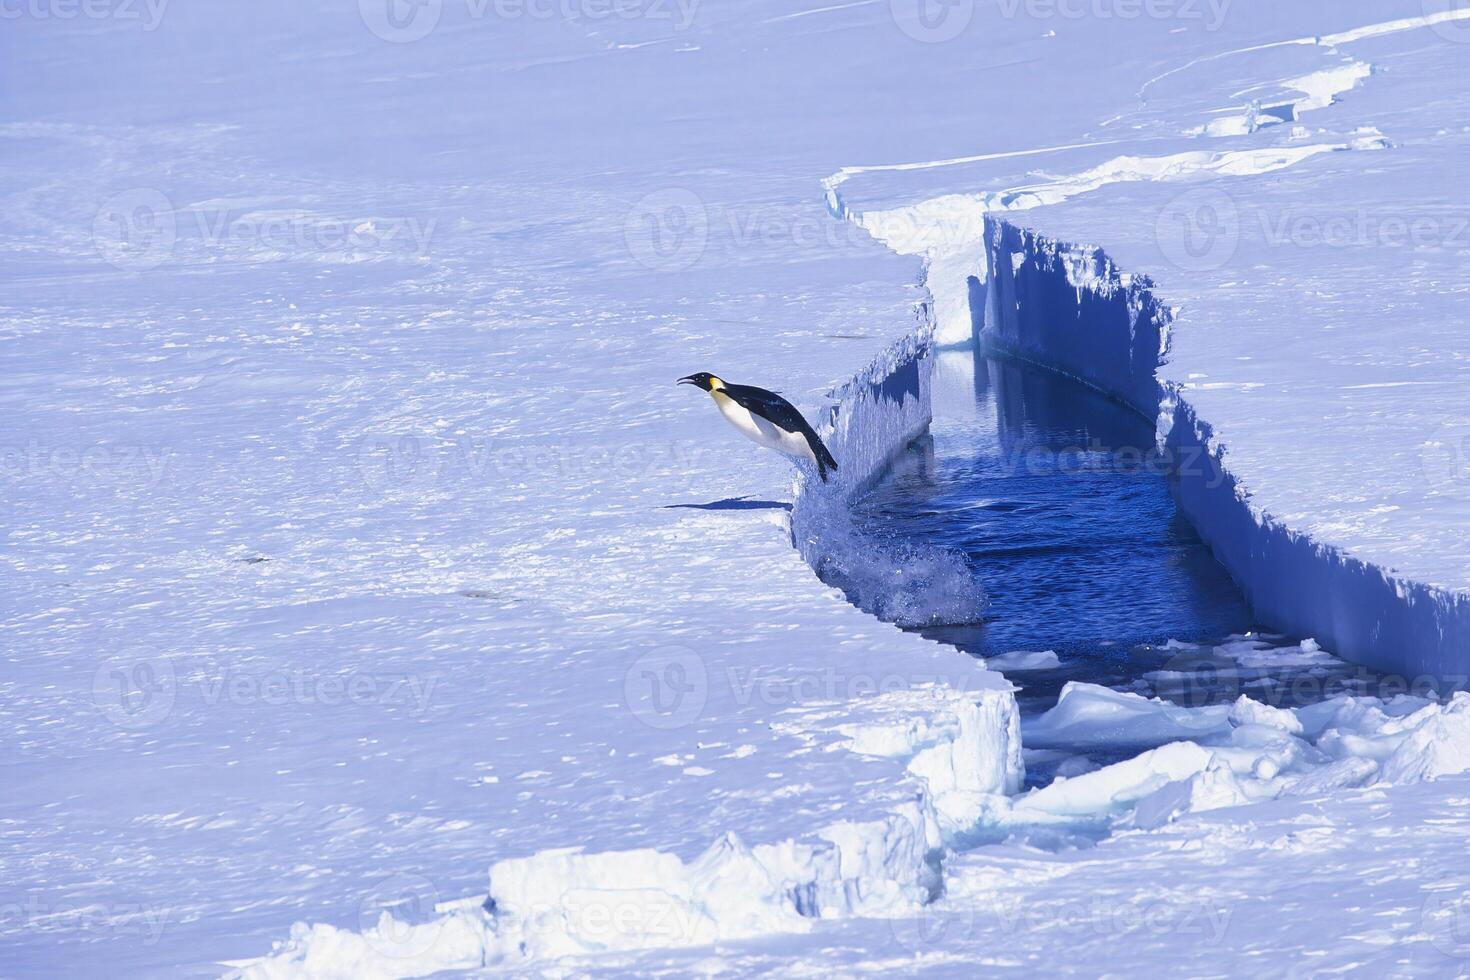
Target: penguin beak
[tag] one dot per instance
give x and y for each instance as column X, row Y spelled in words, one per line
column 688, row 381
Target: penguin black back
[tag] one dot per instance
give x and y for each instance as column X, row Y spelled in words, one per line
column 781, row 413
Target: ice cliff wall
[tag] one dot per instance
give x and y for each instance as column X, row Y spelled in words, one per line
column 1067, row 307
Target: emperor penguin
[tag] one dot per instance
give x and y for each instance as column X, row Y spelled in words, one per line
column 766, row 418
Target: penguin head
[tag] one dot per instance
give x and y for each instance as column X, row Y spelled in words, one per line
column 704, row 381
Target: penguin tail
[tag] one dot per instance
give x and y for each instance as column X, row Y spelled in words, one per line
column 825, row 461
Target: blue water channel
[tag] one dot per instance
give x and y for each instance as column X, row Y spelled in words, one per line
column 1061, row 507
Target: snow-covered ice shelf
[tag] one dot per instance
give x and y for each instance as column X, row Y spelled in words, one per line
column 1289, row 311
column 362, row 558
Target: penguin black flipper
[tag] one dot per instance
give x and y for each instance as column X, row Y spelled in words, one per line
column 780, row 412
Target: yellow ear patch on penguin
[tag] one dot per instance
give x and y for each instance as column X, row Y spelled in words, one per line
column 715, row 384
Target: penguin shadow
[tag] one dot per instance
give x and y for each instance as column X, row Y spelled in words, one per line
column 733, row 503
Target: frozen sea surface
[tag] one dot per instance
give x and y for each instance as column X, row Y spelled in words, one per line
column 400, row 313
column 1269, row 265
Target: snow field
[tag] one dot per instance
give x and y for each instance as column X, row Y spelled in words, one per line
column 471, row 270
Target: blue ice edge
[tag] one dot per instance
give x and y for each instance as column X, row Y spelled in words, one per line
column 1069, row 308
column 875, row 416
column 952, row 736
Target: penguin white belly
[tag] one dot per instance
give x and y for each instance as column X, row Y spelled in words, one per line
column 764, row 431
